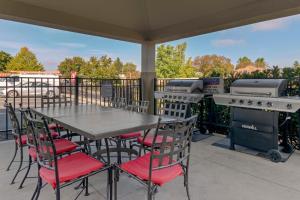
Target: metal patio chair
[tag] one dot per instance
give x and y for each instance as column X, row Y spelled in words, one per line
column 171, row 110
column 166, row 160
column 60, row 171
column 117, row 103
column 135, row 106
column 62, row 145
column 20, row 140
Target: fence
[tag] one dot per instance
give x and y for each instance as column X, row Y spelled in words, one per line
column 216, row 118
column 44, row 92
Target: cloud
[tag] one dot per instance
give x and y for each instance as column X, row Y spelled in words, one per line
column 276, row 24
column 71, row 45
column 227, row 42
column 49, row 57
column 11, row 45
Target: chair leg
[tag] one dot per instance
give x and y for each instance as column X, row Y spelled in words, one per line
column 35, row 191
column 86, row 187
column 109, row 185
column 186, row 185
column 57, row 192
column 26, row 174
column 14, row 156
column 149, row 192
column 39, row 188
column 116, row 179
column 20, row 166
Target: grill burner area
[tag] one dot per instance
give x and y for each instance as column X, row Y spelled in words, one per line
column 262, row 94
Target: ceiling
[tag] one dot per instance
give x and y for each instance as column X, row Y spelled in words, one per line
column 145, row 20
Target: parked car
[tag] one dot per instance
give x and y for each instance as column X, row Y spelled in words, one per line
column 30, row 89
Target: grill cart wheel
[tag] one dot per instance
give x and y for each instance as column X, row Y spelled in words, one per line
column 275, row 155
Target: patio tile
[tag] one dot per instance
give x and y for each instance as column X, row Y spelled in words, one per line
column 215, row 173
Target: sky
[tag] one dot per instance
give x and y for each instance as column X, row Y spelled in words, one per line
column 277, row 41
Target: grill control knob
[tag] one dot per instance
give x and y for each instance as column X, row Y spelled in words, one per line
column 233, row 100
column 250, row 102
column 241, row 101
column 259, row 103
column 289, row 106
column 269, row 104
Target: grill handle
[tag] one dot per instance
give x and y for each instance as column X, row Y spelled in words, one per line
column 254, row 93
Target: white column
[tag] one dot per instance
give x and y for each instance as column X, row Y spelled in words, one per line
column 148, row 73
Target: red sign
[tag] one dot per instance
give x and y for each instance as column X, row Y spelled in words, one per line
column 73, row 77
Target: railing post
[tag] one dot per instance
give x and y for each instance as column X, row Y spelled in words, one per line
column 76, row 92
column 140, row 90
column 155, row 89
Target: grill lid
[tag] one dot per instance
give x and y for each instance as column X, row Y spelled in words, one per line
column 259, row 87
column 259, row 83
column 188, row 86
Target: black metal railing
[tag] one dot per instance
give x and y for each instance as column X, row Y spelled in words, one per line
column 44, row 92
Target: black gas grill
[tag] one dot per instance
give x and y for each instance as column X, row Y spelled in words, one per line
column 255, row 106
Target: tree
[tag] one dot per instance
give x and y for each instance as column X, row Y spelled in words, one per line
column 260, row 63
column 296, row 64
column 99, row 68
column 209, row 65
column 4, row 60
column 71, row 64
column 24, row 60
column 129, row 69
column 171, row 61
column 105, row 69
column 288, row 73
column 243, row 62
column 118, row 65
column 275, row 71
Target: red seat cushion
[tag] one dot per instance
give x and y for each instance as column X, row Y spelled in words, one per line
column 24, row 137
column 70, row 168
column 131, row 135
column 23, row 140
column 54, row 126
column 140, row 168
column 61, row 146
column 149, row 140
column 54, row 134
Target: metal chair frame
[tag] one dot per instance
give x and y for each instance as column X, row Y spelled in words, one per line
column 117, row 102
column 177, row 151
column 17, row 134
column 49, row 160
column 172, row 110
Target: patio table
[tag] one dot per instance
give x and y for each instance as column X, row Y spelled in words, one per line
column 95, row 122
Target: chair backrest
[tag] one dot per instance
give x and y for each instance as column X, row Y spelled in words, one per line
column 46, row 152
column 175, row 110
column 26, row 114
column 117, row 102
column 171, row 145
column 15, row 124
column 138, row 106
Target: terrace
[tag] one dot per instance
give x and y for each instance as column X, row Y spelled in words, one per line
column 215, row 173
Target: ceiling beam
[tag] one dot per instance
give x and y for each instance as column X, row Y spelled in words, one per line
column 22, row 12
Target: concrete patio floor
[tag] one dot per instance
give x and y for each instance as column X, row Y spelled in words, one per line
column 216, row 174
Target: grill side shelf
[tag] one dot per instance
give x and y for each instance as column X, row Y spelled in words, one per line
column 281, row 104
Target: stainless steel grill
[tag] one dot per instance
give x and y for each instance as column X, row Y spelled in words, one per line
column 190, row 91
